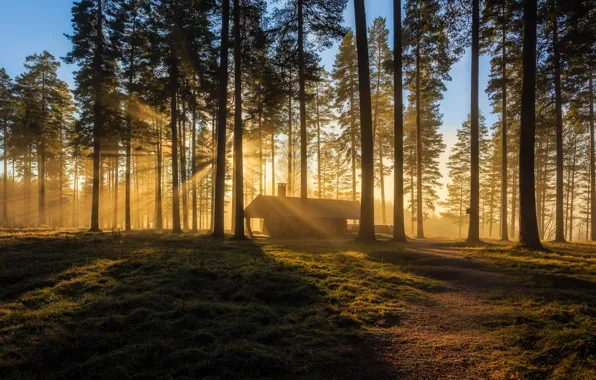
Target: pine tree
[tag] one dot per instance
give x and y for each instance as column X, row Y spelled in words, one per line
column 367, row 210
column 7, row 109
column 42, row 92
column 129, row 30
column 428, row 58
column 346, row 80
column 459, row 166
column 399, row 233
column 501, row 33
column 474, row 230
column 528, row 231
column 382, row 93
column 321, row 19
column 94, row 53
column 218, row 228
column 238, row 127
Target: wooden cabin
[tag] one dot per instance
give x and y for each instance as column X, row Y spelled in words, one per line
column 293, row 217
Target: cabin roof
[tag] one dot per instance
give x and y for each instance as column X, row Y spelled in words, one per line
column 265, row 205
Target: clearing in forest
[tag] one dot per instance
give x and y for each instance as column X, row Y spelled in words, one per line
column 150, row 305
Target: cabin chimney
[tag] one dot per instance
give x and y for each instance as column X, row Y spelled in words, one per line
column 281, row 190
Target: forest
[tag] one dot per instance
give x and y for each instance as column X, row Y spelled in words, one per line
column 209, row 199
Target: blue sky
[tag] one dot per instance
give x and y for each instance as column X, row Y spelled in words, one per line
column 31, row 26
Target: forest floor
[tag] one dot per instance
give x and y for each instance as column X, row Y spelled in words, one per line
column 156, row 306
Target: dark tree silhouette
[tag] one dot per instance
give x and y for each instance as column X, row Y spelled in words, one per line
column 220, row 175
column 474, row 227
column 399, row 229
column 528, row 225
column 559, row 225
column 367, row 213
column 238, row 159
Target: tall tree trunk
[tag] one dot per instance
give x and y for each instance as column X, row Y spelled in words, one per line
column 461, row 209
column 193, row 163
column 42, row 182
column 504, row 155
column 559, row 231
column 273, row 163
column 220, row 178
column 474, row 226
column 97, row 115
column 353, row 138
column 138, row 192
column 572, row 190
column 261, row 163
column 158, row 192
column 382, row 178
column 183, row 172
column 492, row 206
column 61, row 179
column 75, row 193
column 379, row 137
column 528, row 226
column 419, row 213
column 176, row 227
column 544, row 188
column 592, row 165
column 5, row 174
column 399, row 231
column 290, row 143
column 127, row 180
column 115, row 214
column 26, row 185
column 514, row 201
column 213, row 171
column 127, row 222
column 412, row 199
column 539, row 187
column 319, row 190
column 238, row 152
column 302, row 95
column 367, row 210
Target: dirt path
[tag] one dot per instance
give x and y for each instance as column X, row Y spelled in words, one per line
column 450, row 338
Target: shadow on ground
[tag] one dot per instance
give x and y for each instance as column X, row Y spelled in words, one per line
column 150, row 305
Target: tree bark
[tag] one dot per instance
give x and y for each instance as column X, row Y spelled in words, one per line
column 5, row 176
column 290, row 142
column 97, row 116
column 158, row 195
column 367, row 210
column 474, row 226
column 238, row 159
column 528, row 226
column 379, row 137
column 318, row 141
column 174, row 126
column 353, row 138
column 302, row 95
column 193, row 163
column 220, row 177
column 75, row 193
column 399, row 231
column 504, row 155
column 592, row 165
column 183, row 169
column 115, row 214
column 419, row 213
column 559, row 230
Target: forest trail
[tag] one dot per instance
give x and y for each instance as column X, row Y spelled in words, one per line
column 292, row 309
column 462, row 332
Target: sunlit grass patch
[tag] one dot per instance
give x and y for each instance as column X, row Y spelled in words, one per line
column 150, row 305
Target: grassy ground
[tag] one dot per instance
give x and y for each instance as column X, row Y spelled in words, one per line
column 147, row 305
